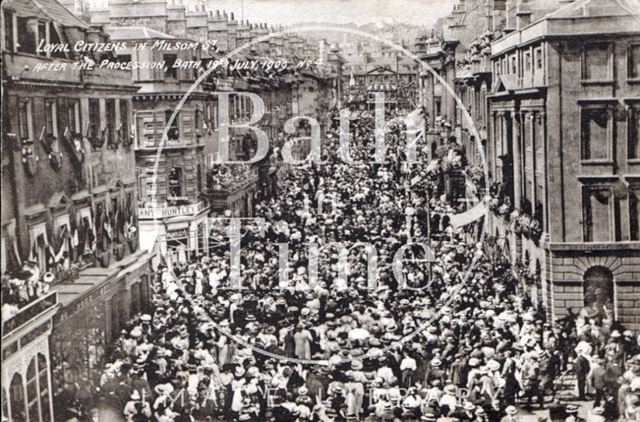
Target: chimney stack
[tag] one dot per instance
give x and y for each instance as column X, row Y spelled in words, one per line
column 232, row 17
column 523, row 18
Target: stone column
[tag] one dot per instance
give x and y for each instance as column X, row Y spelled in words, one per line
column 125, row 304
column 517, row 159
column 534, row 143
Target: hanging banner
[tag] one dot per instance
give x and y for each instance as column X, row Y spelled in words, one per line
column 469, row 216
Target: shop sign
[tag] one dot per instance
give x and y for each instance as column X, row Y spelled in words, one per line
column 178, row 234
column 165, row 212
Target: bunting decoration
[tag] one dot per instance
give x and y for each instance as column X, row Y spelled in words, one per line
column 14, row 261
column 74, row 240
column 33, row 252
column 49, row 143
column 74, row 145
column 30, row 160
column 106, row 225
column 114, row 141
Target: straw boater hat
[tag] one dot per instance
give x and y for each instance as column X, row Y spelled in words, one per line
column 357, row 365
column 164, row 388
column 428, row 417
column 511, row 410
column 572, row 409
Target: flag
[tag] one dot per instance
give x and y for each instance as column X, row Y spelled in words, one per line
column 33, row 252
column 63, row 234
column 106, row 225
column 90, row 236
column 16, row 251
column 67, row 133
column 75, row 241
column 14, row 260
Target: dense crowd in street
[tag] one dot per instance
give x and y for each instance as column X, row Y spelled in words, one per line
column 459, row 340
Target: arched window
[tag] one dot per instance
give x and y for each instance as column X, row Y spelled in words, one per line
column 43, row 385
column 5, row 403
column 38, row 390
column 598, row 288
column 16, row 397
column 33, row 404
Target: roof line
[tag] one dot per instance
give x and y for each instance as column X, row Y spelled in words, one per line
column 82, row 24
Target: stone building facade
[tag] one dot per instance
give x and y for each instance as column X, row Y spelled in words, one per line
column 543, row 83
column 69, row 209
column 563, row 148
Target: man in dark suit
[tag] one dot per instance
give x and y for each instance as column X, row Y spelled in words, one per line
column 581, row 367
column 598, row 378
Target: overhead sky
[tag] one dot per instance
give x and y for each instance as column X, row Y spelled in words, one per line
column 286, row 12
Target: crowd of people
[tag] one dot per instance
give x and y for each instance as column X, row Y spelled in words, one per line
column 23, row 288
column 457, row 339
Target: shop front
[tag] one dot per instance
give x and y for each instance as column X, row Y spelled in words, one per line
column 177, row 231
column 94, row 309
column 26, row 378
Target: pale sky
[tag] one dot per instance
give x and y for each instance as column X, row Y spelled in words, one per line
column 286, row 12
column 291, row 12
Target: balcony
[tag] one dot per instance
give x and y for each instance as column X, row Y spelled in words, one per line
column 229, row 179
column 481, row 65
column 152, row 213
column 40, row 307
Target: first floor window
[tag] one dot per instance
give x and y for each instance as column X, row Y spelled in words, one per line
column 110, row 106
column 170, row 71
column 634, row 62
column 8, row 32
column 175, row 183
column 27, row 35
column 596, row 222
column 42, row 35
column 595, row 126
column 173, row 133
column 94, row 118
column 634, row 134
column 50, row 116
column 634, row 212
column 24, row 117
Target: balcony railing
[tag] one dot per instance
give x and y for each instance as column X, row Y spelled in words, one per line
column 483, row 65
column 29, row 313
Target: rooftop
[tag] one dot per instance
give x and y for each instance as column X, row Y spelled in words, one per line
column 137, row 33
column 51, row 9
